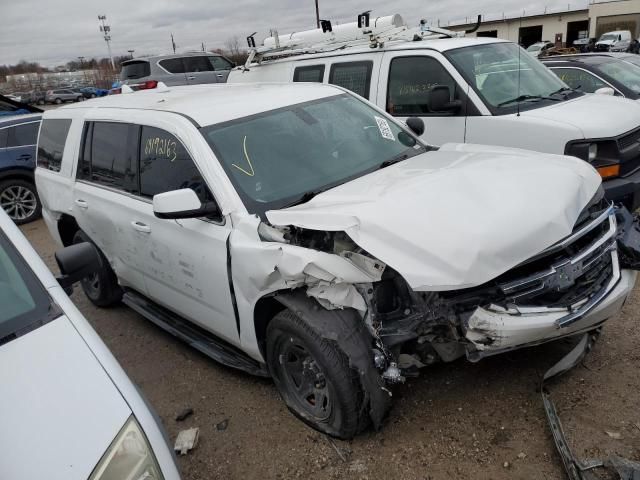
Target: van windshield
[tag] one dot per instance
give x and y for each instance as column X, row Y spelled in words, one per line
column 623, row 72
column 608, row 37
column 285, row 156
column 504, row 76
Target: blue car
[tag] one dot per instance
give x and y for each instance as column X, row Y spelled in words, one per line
column 18, row 195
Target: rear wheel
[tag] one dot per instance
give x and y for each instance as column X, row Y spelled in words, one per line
column 57, row 101
column 102, row 287
column 93, row 95
column 20, row 200
column 313, row 377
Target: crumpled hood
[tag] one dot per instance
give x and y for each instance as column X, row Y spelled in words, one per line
column 59, row 410
column 621, row 115
column 458, row 217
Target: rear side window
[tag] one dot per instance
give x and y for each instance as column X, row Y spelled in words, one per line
column 220, row 63
column 173, row 65
column 135, row 69
column 313, row 73
column 411, row 80
column 110, row 155
column 53, row 135
column 354, row 76
column 165, row 165
column 197, row 64
column 20, row 135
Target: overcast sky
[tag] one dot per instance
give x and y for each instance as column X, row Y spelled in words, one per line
column 53, row 32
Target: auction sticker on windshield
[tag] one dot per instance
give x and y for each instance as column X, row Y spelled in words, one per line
column 385, row 129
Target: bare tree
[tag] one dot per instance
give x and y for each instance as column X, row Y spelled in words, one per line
column 234, row 50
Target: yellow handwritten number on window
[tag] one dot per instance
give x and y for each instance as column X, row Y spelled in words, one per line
column 246, row 155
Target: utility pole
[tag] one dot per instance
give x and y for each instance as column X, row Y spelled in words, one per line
column 173, row 44
column 81, row 59
column 131, row 52
column 317, row 15
column 107, row 37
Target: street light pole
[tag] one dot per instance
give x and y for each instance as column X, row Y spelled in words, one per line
column 107, row 37
column 317, row 15
column 131, row 52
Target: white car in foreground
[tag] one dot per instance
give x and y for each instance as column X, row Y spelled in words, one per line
column 298, row 231
column 67, row 409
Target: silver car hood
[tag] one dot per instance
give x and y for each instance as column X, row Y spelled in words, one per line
column 59, row 410
column 458, row 217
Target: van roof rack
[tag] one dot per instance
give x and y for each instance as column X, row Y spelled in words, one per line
column 374, row 32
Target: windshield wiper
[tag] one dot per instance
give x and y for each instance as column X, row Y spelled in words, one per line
column 565, row 90
column 523, row 98
column 393, row 160
column 306, row 196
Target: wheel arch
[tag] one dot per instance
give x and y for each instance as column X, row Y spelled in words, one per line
column 67, row 228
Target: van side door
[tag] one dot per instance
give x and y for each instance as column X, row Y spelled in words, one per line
column 418, row 83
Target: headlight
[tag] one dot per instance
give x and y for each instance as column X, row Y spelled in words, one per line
column 129, row 457
column 604, row 155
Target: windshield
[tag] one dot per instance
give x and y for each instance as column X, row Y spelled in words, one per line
column 280, row 157
column 535, row 47
column 24, row 300
column 492, row 70
column 608, row 36
column 635, row 59
column 623, row 72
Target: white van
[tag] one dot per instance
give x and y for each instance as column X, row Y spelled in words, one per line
column 617, row 41
column 467, row 90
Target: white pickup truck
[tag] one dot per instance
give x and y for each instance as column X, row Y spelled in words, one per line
column 299, row 232
column 466, row 90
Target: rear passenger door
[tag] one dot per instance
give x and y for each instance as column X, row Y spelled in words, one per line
column 406, row 82
column 199, row 70
column 222, row 67
column 105, row 196
column 171, row 72
column 21, row 145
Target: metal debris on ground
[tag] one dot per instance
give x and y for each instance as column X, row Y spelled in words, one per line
column 187, row 440
column 575, row 468
column 187, row 412
column 614, row 435
column 222, row 426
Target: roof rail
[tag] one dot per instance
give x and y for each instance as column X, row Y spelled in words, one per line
column 366, row 31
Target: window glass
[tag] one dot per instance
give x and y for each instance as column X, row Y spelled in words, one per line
column 172, row 65
column 411, row 80
column 84, row 162
column 197, row 64
column 135, row 69
column 274, row 158
column 579, row 79
column 114, row 155
column 26, row 134
column 623, row 72
column 354, row 76
column 53, row 136
column 313, row 73
column 165, row 166
column 220, row 63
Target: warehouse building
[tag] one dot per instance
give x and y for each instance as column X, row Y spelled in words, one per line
column 562, row 27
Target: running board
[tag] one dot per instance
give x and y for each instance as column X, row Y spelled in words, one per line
column 197, row 337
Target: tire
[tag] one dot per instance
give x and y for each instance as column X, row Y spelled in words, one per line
column 314, row 378
column 93, row 95
column 20, row 200
column 57, row 101
column 102, row 288
column 40, row 102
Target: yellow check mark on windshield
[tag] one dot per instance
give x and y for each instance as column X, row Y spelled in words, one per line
column 246, row 155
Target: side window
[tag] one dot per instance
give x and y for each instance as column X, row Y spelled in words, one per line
column 411, row 80
column 21, row 135
column 165, row 165
column 197, row 64
column 579, row 79
column 114, row 155
column 53, row 136
column 172, row 65
column 354, row 76
column 84, row 162
column 313, row 73
column 220, row 63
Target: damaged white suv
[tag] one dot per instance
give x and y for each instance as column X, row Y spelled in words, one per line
column 297, row 231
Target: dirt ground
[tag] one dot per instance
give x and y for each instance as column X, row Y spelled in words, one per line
column 458, row 420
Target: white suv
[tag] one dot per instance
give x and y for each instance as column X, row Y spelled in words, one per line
column 298, row 231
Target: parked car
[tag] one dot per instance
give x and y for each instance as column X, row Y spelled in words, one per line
column 466, row 90
column 298, row 231
column 618, row 41
column 585, row 45
column 178, row 69
column 67, row 409
column 10, row 107
column 18, row 195
column 540, row 48
column 63, row 95
column 93, row 92
column 37, row 97
column 598, row 73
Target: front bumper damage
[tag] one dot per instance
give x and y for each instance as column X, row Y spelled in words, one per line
column 614, row 251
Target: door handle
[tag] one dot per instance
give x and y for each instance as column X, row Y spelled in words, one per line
column 220, row 75
column 81, row 203
column 141, row 227
column 191, row 78
column 24, row 156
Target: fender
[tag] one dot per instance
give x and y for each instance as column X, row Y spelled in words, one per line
column 346, row 328
column 26, row 173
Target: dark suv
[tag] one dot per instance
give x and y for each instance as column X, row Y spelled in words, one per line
column 18, row 195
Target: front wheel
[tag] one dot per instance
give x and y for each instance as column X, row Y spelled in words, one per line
column 101, row 287
column 314, row 378
column 19, row 199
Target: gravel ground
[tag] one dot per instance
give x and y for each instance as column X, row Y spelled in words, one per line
column 458, row 420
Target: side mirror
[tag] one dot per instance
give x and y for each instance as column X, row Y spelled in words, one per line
column 440, row 100
column 181, row 204
column 76, row 262
column 416, row 125
column 605, row 91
